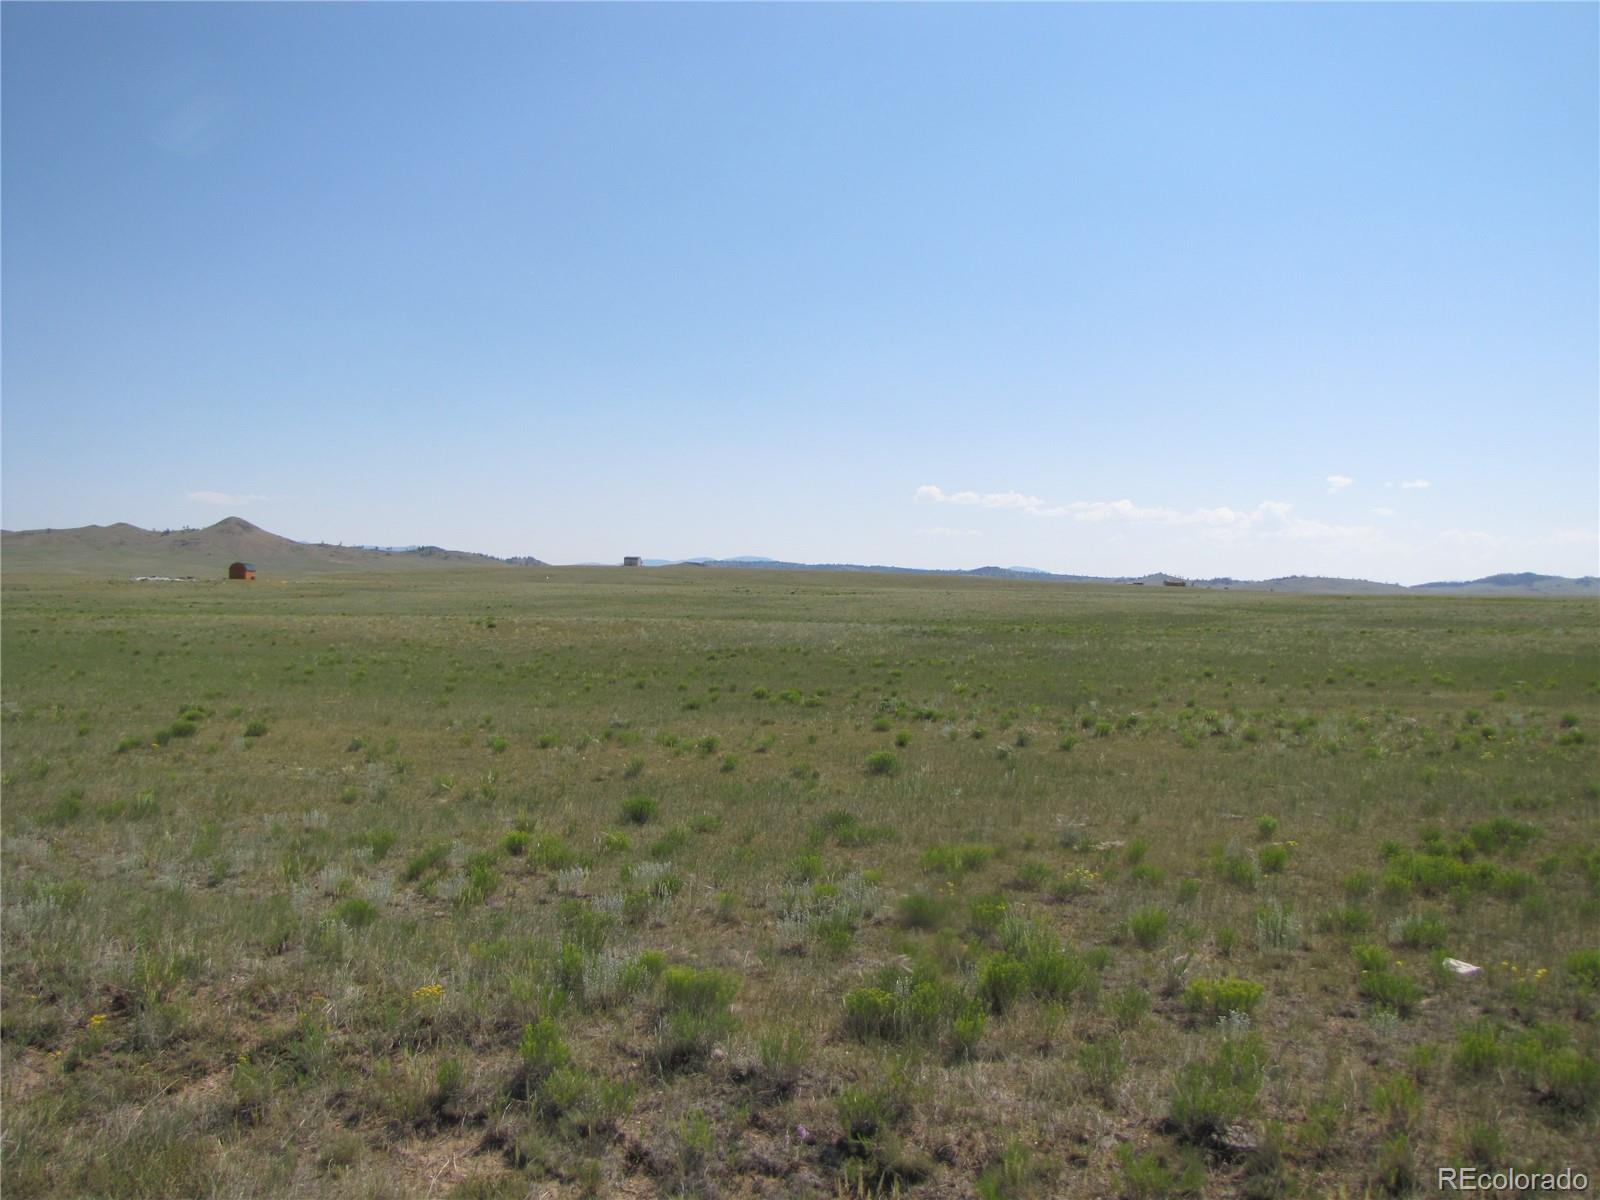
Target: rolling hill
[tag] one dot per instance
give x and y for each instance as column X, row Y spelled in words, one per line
column 1526, row 584
column 124, row 549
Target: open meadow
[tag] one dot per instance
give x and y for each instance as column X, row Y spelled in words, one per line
column 494, row 883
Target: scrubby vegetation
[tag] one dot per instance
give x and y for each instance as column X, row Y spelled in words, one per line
column 727, row 883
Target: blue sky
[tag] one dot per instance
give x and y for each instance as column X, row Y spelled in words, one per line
column 1242, row 289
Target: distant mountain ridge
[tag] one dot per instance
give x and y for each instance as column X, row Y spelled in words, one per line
column 126, row 549
column 1522, row 584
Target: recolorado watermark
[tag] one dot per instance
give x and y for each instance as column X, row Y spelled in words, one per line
column 1477, row 1179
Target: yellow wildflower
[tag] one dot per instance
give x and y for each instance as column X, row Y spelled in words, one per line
column 428, row 991
column 97, row 1020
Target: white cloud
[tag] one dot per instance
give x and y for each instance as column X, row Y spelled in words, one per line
column 927, row 493
column 946, row 531
column 1268, row 521
column 1414, row 484
column 223, row 499
column 1082, row 510
column 1337, row 483
column 1381, row 511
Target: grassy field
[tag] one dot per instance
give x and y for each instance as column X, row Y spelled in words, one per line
column 682, row 882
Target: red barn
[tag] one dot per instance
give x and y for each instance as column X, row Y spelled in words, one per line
column 241, row 570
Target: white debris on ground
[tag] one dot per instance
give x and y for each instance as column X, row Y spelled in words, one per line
column 163, row 579
column 1465, row 969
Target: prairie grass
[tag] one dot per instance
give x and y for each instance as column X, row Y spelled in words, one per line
column 485, row 883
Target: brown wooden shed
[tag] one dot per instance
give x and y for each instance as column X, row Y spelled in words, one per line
column 241, row 570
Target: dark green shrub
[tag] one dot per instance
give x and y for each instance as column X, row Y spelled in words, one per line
column 846, row 829
column 1102, row 1064
column 805, row 868
column 379, row 842
column 1129, row 1006
column 1031, row 875
column 986, row 912
column 1396, row 1167
column 920, row 910
column 355, row 913
column 542, row 1051
column 1357, row 884
column 1583, row 968
column 1390, row 991
column 1148, row 926
column 1213, row 1093
column 1218, row 997
column 966, row 1029
column 582, row 1106
column 1054, row 973
column 1559, row 1075
column 902, row 1006
column 1001, row 980
column 685, row 989
column 882, row 762
column 639, row 808
column 1370, row 958
column 1502, row 833
column 869, row 1012
column 955, row 860
column 864, row 1113
column 550, row 852
column 1237, row 868
column 1161, row 1172
column 1422, row 932
column 482, row 881
column 431, row 859
column 1478, row 1049
column 1014, row 1176
column 1349, row 919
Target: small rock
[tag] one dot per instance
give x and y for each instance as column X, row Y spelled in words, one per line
column 1464, row 969
column 1238, row 1139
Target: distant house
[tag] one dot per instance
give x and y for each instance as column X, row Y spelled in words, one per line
column 633, row 560
column 1175, row 582
column 241, row 570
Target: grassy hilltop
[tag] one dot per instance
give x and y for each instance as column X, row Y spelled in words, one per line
column 487, row 883
column 123, row 549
